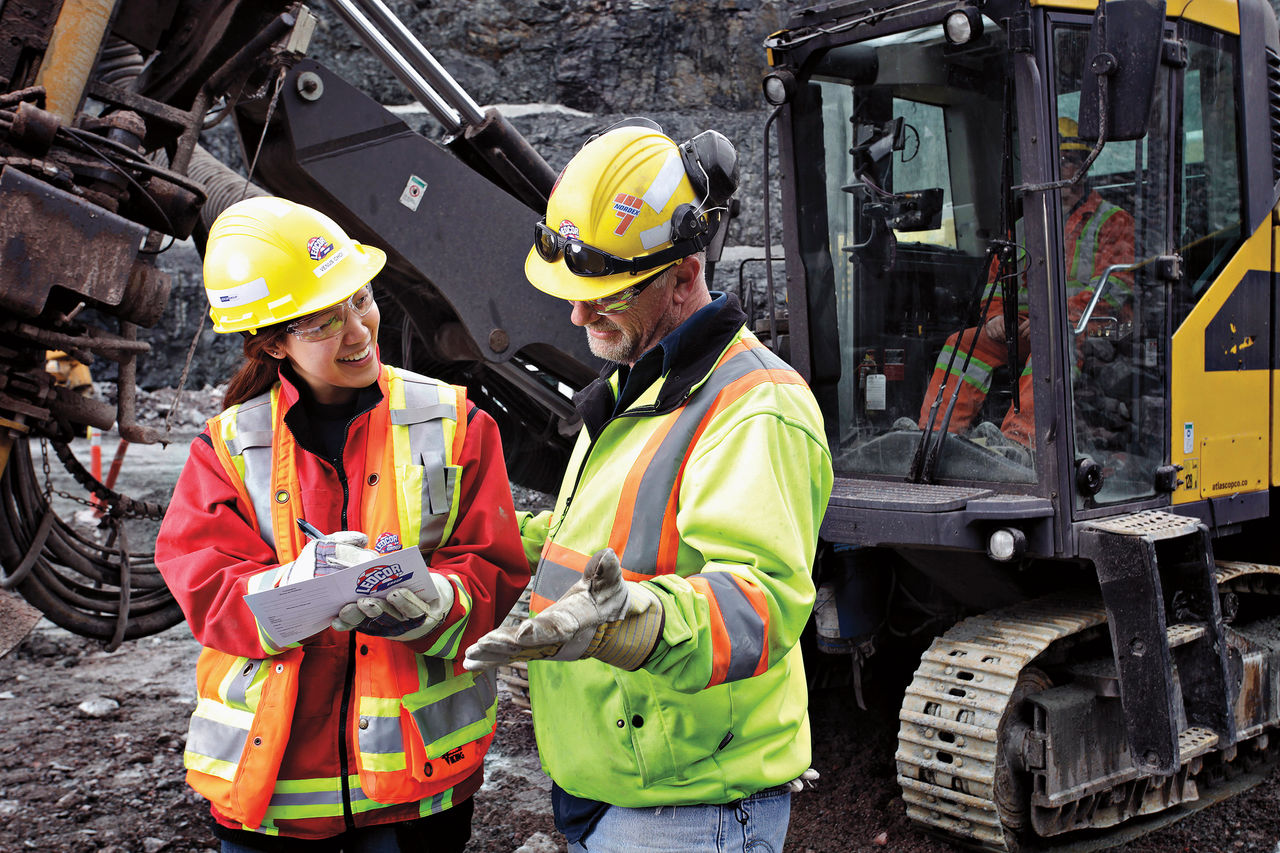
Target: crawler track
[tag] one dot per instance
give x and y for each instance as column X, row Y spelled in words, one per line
column 970, row 683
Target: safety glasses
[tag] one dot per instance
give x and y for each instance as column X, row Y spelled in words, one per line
column 616, row 303
column 586, row 260
column 331, row 321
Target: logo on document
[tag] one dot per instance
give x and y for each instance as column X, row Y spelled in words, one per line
column 377, row 579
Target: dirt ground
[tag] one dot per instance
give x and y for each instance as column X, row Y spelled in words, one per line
column 91, row 758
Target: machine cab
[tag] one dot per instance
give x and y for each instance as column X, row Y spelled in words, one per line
column 982, row 296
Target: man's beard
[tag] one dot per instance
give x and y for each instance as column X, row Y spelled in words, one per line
column 620, row 350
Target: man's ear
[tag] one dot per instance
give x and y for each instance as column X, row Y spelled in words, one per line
column 688, row 273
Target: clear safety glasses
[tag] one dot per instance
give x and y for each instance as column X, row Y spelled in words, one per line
column 616, row 303
column 331, row 321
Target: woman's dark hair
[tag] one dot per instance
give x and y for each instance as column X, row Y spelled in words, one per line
column 260, row 370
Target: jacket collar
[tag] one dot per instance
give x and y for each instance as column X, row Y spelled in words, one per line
column 686, row 356
column 294, row 391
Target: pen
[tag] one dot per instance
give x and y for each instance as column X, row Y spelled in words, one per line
column 309, row 529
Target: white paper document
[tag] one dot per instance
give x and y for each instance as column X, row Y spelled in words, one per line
column 295, row 612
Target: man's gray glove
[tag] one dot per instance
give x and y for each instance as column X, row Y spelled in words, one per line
column 330, row 553
column 601, row 616
column 402, row 615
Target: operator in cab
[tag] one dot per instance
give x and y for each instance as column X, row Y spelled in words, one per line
column 1097, row 235
column 673, row 577
column 368, row 735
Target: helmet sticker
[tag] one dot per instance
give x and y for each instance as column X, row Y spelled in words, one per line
column 627, row 207
column 568, row 229
column 318, row 248
column 665, row 183
column 330, row 262
column 250, row 291
column 656, row 236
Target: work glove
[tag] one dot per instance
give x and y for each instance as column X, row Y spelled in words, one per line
column 601, row 616
column 330, row 553
column 402, row 615
column 805, row 779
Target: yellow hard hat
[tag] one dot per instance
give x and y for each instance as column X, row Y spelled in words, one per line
column 625, row 209
column 1069, row 136
column 269, row 260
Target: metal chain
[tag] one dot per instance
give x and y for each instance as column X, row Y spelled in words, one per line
column 48, row 482
column 112, row 503
column 49, row 490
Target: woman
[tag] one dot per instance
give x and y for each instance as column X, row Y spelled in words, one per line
column 369, row 736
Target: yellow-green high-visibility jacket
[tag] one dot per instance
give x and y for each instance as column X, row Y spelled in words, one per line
column 710, row 487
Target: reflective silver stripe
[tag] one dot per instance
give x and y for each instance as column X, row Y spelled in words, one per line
column 238, row 689
column 553, row 579
column 253, row 443
column 659, row 479
column 421, row 414
column 457, row 710
column 380, row 735
column 424, row 414
column 742, row 623
column 213, row 739
column 436, row 804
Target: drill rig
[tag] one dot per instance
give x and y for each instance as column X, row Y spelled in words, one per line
column 1096, row 601
column 102, row 107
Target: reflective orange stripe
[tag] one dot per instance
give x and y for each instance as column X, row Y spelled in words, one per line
column 720, row 644
column 624, row 517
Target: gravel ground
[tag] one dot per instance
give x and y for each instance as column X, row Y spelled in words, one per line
column 91, row 756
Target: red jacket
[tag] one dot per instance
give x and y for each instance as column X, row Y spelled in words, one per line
column 208, row 548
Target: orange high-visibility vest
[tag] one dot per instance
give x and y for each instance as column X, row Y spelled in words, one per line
column 411, row 708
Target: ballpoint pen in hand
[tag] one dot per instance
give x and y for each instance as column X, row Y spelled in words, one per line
column 309, row 529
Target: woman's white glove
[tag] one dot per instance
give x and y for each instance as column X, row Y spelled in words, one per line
column 402, row 615
column 331, row 553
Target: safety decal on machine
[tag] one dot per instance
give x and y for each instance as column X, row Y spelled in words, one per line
column 411, row 197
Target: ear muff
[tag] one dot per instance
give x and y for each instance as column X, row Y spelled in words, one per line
column 711, row 162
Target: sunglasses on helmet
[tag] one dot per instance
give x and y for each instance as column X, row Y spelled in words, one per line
column 588, row 261
column 331, row 321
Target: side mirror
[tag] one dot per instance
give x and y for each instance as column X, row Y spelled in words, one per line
column 1124, row 55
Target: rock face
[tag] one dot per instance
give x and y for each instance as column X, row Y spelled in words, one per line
column 559, row 70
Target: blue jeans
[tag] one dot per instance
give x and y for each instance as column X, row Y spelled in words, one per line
column 756, row 824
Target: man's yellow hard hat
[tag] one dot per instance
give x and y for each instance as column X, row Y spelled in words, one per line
column 268, row 260
column 617, row 195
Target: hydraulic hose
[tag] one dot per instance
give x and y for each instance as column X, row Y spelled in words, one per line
column 79, row 584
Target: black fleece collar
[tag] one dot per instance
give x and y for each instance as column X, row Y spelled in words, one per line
column 688, row 363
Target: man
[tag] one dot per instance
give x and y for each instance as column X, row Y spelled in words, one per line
column 1097, row 234
column 673, row 576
